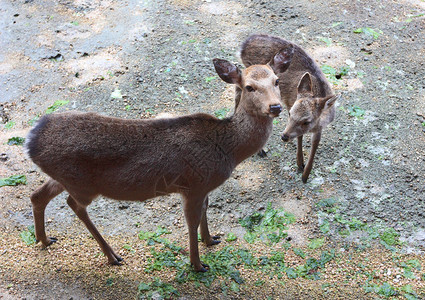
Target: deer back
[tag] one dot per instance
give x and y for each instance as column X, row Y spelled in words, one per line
column 259, row 49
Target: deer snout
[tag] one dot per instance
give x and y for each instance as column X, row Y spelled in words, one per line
column 275, row 109
column 285, row 138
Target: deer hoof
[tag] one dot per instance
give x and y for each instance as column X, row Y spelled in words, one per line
column 202, row 268
column 116, row 263
column 118, row 258
column 49, row 241
column 262, row 153
column 213, row 242
column 304, row 178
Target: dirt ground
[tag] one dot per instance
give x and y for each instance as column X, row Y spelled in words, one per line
column 137, row 59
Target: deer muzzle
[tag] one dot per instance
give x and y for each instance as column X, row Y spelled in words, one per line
column 285, row 138
column 275, row 109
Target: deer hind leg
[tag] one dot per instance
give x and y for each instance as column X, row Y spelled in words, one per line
column 205, row 233
column 81, row 211
column 315, row 140
column 193, row 208
column 39, row 199
column 300, row 155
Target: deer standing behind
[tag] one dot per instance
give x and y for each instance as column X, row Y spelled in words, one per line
column 304, row 89
column 89, row 155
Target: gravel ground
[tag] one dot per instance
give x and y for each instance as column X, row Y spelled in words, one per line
column 158, row 54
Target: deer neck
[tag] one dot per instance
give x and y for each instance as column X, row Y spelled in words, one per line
column 250, row 133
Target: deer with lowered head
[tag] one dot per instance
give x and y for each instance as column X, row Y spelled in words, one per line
column 89, row 155
column 304, row 89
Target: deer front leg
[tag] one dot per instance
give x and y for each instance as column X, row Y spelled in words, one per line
column 81, row 212
column 315, row 139
column 205, row 233
column 300, row 155
column 193, row 207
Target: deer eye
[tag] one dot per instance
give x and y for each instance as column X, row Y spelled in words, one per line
column 249, row 88
column 306, row 123
column 277, row 82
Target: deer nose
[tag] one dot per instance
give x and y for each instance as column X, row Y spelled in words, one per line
column 275, row 109
column 285, row 138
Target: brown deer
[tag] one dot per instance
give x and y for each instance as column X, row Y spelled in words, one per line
column 304, row 89
column 89, row 155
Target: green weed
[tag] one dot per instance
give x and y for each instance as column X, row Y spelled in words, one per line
column 408, row 266
column 154, row 237
column 327, row 204
column 210, row 78
column 110, row 281
column 156, row 290
column 56, row 106
column 316, row 243
column 150, row 111
column 385, row 289
column 18, row 141
column 189, row 22
column 411, row 17
column 390, row 237
column 335, row 24
column 325, row 227
column 33, row 120
column 9, row 125
column 356, row 112
column 369, row 31
column 128, row 248
column 409, row 292
column 13, row 180
column 221, row 113
column 231, row 237
column 299, row 252
column 326, row 40
column 28, row 236
column 310, row 269
column 267, row 227
column 333, row 74
column 222, row 263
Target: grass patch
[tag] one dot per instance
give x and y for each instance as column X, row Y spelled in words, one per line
column 385, row 289
column 154, row 237
column 268, row 227
column 156, row 290
column 222, row 264
column 389, row 237
column 316, row 243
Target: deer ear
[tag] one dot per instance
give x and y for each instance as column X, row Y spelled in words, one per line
column 305, row 85
column 327, row 102
column 281, row 61
column 227, row 71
